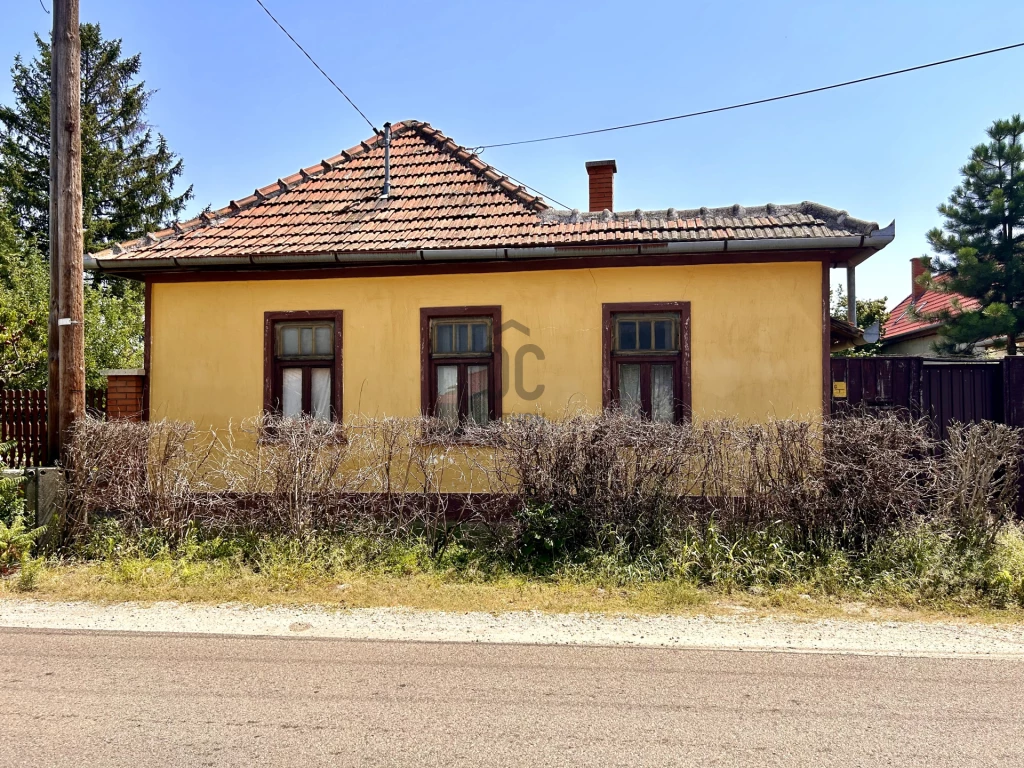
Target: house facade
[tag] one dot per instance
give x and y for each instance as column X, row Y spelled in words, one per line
column 912, row 329
column 461, row 295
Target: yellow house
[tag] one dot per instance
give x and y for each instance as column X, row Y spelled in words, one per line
column 405, row 276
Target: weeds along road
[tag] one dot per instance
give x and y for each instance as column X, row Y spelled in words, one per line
column 94, row 699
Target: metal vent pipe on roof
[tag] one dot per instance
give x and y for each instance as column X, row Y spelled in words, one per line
column 387, row 160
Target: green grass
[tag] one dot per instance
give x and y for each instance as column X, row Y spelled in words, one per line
column 921, row 572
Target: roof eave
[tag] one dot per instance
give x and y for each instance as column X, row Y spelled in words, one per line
column 874, row 242
column 862, row 246
column 927, row 330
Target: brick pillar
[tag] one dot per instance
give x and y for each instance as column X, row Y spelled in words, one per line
column 125, row 389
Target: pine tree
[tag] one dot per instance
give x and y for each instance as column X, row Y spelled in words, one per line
column 128, row 172
column 980, row 247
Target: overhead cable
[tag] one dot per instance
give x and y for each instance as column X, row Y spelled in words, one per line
column 533, row 189
column 321, row 70
column 755, row 102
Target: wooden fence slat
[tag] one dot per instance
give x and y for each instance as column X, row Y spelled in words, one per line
column 941, row 391
column 1013, row 391
column 23, row 420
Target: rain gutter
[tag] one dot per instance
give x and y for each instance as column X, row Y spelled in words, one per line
column 861, row 245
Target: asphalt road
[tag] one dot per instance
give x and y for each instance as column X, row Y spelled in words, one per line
column 94, row 699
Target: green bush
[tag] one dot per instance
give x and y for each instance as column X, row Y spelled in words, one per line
column 539, row 536
column 924, row 564
column 12, row 499
column 759, row 558
column 16, row 542
column 1004, row 570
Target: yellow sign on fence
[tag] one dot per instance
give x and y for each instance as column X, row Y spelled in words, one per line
column 838, row 389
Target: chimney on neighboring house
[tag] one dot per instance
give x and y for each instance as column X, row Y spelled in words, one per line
column 917, row 268
column 602, row 174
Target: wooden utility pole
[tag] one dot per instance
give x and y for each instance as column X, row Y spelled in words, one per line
column 52, row 340
column 67, row 373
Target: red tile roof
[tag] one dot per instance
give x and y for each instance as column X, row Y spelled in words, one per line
column 443, row 197
column 902, row 321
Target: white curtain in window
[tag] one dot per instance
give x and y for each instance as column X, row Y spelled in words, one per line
column 447, row 406
column 291, row 392
column 479, row 387
column 663, row 394
column 320, row 394
column 629, row 389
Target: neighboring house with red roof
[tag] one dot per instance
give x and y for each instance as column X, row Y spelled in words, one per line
column 912, row 329
column 406, row 276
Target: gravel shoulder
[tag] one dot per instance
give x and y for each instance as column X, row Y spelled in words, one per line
column 921, row 639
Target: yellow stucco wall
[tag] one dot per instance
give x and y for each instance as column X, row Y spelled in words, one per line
column 755, row 337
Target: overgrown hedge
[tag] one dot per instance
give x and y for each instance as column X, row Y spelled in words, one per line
column 537, row 489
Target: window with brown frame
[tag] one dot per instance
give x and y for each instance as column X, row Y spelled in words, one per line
column 461, row 364
column 302, row 364
column 647, row 360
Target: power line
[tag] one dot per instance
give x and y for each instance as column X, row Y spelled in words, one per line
column 753, row 103
column 357, row 109
column 534, row 189
column 297, row 45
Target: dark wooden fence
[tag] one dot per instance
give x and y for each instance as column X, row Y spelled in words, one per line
column 23, row 422
column 939, row 390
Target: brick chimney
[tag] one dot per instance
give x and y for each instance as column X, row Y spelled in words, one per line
column 917, row 269
column 602, row 174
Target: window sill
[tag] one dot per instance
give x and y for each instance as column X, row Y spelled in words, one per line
column 278, row 431
column 435, row 432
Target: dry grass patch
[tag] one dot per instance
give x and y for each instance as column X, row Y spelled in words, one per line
column 148, row 583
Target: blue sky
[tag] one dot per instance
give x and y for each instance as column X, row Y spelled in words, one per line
column 243, row 106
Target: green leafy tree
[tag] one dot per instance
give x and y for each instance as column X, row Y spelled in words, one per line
column 979, row 251
column 128, row 180
column 113, row 317
column 869, row 311
column 114, row 327
column 128, row 171
column 24, row 309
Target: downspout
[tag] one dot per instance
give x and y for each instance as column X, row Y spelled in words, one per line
column 851, row 295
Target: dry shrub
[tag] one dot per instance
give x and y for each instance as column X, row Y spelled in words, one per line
column 414, row 477
column 612, row 477
column 978, row 477
column 878, row 472
column 156, row 474
column 627, row 484
column 279, row 474
column 772, row 474
column 606, row 482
